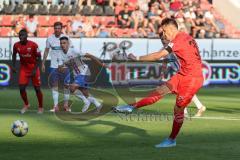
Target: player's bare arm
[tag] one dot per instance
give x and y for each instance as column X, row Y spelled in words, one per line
column 45, row 55
column 14, row 60
column 38, row 62
column 95, row 59
column 150, row 57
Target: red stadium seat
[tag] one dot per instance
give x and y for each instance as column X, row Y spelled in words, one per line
column 64, row 19
column 5, row 31
column 50, row 31
column 96, row 20
column 53, row 19
column 43, row 20
column 7, row 20
column 43, row 32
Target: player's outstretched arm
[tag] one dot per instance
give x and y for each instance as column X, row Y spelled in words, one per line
column 155, row 56
column 95, row 59
column 45, row 55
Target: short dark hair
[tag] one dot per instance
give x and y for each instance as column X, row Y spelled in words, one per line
column 23, row 31
column 64, row 38
column 168, row 21
column 58, row 24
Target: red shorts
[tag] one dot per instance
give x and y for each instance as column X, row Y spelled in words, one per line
column 184, row 87
column 25, row 75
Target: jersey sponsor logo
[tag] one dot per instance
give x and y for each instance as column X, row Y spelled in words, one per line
column 26, row 55
column 56, row 48
column 29, row 49
column 4, row 74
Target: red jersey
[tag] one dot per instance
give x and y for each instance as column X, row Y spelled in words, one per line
column 28, row 53
column 187, row 52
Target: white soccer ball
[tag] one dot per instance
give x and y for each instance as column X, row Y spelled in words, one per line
column 19, row 128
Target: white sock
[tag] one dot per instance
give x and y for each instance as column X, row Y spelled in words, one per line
column 84, row 99
column 197, row 102
column 55, row 97
column 66, row 95
column 94, row 101
column 185, row 110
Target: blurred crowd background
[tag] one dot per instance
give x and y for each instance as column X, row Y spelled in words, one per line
column 113, row 18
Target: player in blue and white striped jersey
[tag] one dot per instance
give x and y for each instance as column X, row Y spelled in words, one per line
column 74, row 61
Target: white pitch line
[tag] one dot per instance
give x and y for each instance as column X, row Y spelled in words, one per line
column 205, row 117
column 219, row 118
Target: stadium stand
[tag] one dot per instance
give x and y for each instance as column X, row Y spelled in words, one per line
column 197, row 17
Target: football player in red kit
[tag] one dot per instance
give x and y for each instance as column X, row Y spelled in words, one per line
column 185, row 83
column 30, row 58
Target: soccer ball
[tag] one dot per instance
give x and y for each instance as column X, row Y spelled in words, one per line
column 19, row 128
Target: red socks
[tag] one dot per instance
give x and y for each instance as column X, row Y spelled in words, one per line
column 23, row 94
column 40, row 99
column 150, row 99
column 177, row 124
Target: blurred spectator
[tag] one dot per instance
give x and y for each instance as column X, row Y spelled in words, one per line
column 14, row 2
column 4, row 2
column 94, row 31
column 144, row 16
column 102, row 32
column 211, row 29
column 124, row 17
column 19, row 24
column 44, row 2
column 190, row 13
column 80, row 3
column 138, row 18
column 209, row 14
column 131, row 4
column 77, row 21
column 223, row 34
column 150, row 33
column 80, row 33
column 55, row 2
column 69, row 2
column 143, row 5
column 87, row 27
column 118, row 7
column 67, row 29
column 198, row 28
column 189, row 23
column 153, row 24
column 32, row 26
column 140, row 33
column 154, row 11
column 175, row 5
column 113, row 32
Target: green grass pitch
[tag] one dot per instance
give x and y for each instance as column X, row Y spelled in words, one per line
column 119, row 137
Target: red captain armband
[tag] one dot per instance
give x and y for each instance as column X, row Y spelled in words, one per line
column 169, row 47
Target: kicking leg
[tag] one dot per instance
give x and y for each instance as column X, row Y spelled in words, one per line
column 153, row 97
